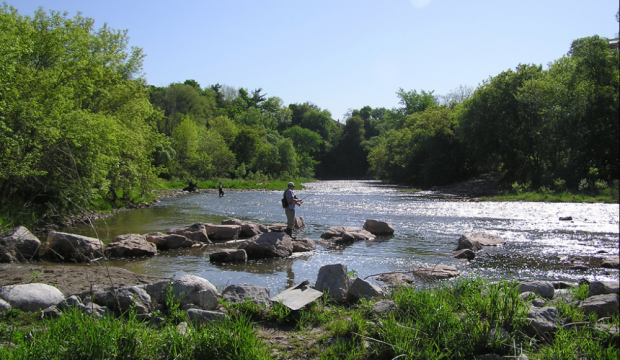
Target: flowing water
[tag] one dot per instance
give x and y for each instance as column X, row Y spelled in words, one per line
column 427, row 226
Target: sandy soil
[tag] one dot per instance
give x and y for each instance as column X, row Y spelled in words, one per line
column 69, row 278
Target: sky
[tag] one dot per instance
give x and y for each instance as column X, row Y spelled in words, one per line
column 342, row 54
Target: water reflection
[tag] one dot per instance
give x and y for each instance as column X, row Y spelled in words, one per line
column 427, row 227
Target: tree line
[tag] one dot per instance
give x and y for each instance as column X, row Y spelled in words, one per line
column 81, row 128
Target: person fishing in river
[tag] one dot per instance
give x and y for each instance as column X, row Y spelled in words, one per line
column 221, row 189
column 288, row 202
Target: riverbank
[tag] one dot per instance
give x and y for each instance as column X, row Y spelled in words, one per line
column 466, row 318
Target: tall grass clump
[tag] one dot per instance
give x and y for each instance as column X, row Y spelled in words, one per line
column 228, row 339
column 451, row 321
column 78, row 336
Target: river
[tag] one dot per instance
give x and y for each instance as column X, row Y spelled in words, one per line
column 427, row 226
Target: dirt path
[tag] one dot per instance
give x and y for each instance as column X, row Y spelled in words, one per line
column 69, row 278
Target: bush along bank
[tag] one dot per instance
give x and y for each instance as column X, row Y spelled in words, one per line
column 189, row 318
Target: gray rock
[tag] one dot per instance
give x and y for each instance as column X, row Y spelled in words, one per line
column 51, row 312
column 228, row 255
column 235, row 294
column 542, row 320
column 31, row 297
column 123, row 299
column 248, row 229
column 527, row 295
column 71, row 301
column 279, row 227
column 303, row 245
column 603, row 287
column 268, row 245
column 196, row 232
column 90, row 308
column 601, row 305
column 475, row 241
column 18, row 244
column 378, row 227
column 538, row 303
column 384, row 307
column 183, row 328
column 436, row 272
column 498, row 335
column 204, row 316
column 346, row 234
column 157, row 290
column 299, row 223
column 395, row 279
column 4, row 306
column 611, row 262
column 541, row 288
column 564, row 295
column 223, row 232
column 130, row 246
column 334, row 280
column 69, row 247
column 563, row 285
column 466, row 254
column 196, row 290
column 362, row 289
column 169, row 241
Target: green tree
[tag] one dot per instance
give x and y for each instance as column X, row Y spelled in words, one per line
column 75, row 121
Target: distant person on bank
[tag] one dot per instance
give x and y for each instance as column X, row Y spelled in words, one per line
column 291, row 200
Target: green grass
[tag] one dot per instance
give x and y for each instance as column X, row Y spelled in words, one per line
column 451, row 320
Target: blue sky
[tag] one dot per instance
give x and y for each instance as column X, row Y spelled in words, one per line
column 343, row 54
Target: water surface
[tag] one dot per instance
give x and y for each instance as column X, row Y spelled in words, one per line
column 427, row 226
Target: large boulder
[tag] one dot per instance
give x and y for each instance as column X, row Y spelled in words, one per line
column 70, row 247
column 378, row 227
column 228, row 255
column 602, row 305
column 196, row 232
column 303, row 245
column 436, row 272
column 268, row 245
column 362, row 289
column 197, row 291
column 18, row 244
column 123, row 299
column 541, row 288
column 542, row 320
column 603, row 287
column 235, row 294
column 223, row 232
column 130, row 245
column 346, row 234
column 475, row 241
column 169, row 241
column 31, row 297
column 334, row 280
